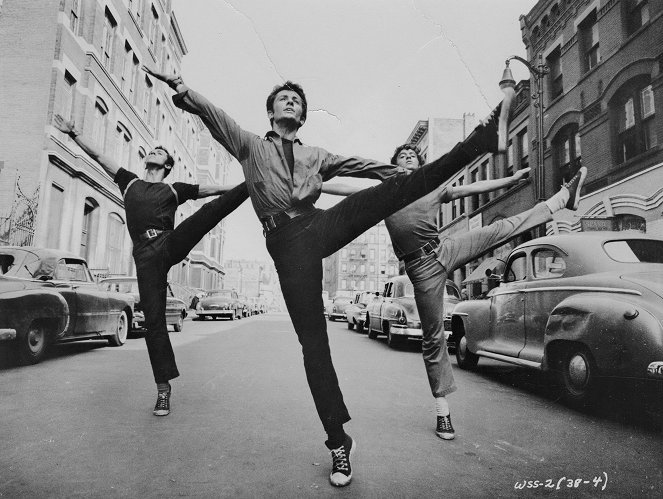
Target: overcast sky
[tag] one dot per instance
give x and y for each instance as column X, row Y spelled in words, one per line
column 370, row 69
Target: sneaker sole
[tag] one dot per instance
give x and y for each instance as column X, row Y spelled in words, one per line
column 161, row 413
column 445, row 436
column 353, row 449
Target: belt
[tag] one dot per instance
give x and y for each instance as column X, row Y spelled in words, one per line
column 426, row 249
column 150, row 234
column 273, row 222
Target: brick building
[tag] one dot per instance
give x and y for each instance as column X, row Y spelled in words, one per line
column 82, row 59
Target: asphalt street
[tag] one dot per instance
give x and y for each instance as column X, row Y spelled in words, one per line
column 243, row 424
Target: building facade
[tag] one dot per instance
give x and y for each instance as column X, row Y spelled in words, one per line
column 254, row 279
column 363, row 265
column 82, row 59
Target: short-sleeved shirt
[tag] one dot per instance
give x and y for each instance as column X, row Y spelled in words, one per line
column 416, row 224
column 151, row 205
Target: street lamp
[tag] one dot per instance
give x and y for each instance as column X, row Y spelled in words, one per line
column 538, row 73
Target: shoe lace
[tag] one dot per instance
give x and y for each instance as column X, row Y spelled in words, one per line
column 162, row 400
column 444, row 424
column 339, row 460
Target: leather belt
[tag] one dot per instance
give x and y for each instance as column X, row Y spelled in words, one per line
column 426, row 249
column 273, row 222
column 150, row 234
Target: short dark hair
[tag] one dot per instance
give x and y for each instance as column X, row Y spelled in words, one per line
column 169, row 160
column 411, row 147
column 288, row 85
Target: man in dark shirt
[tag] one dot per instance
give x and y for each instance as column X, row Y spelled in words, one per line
column 150, row 206
column 284, row 178
column 429, row 258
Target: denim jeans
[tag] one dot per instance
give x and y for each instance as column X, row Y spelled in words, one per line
column 298, row 248
column 153, row 260
column 429, row 275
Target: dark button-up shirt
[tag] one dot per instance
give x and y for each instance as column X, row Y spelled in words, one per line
column 272, row 188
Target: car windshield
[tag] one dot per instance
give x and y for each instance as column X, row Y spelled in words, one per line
column 635, row 250
column 121, row 286
column 409, row 290
column 220, row 293
column 451, row 291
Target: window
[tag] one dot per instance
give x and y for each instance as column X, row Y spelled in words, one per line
column 133, row 81
column 523, row 149
column 55, row 207
column 461, row 201
column 344, row 284
column 344, row 253
column 100, row 124
column 636, row 14
column 72, row 270
column 517, row 269
column 474, row 200
column 123, row 141
column 74, row 16
column 631, row 222
column 147, row 101
column 68, row 98
column 633, row 109
column 566, row 153
column 114, row 243
column 107, row 40
column 485, row 196
column 556, row 81
column 589, row 41
column 89, row 229
column 344, row 267
column 548, row 264
column 509, row 159
column 153, row 29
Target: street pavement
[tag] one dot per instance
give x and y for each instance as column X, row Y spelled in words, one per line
column 243, row 425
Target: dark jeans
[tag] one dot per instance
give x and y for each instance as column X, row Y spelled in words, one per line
column 298, row 248
column 153, row 260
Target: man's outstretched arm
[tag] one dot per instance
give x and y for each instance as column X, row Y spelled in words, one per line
column 222, row 127
column 489, row 185
column 106, row 162
column 213, row 190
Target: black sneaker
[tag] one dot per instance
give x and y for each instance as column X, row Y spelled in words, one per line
column 574, row 186
column 445, row 429
column 162, row 408
column 341, row 473
column 484, row 138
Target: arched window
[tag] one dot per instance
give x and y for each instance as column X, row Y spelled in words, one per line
column 89, row 229
column 123, row 141
column 632, row 113
column 99, row 131
column 566, row 153
column 114, row 243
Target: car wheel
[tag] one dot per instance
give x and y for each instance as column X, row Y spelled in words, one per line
column 351, row 325
column 180, row 323
column 578, row 375
column 360, row 327
column 465, row 358
column 372, row 334
column 119, row 337
column 393, row 340
column 32, row 343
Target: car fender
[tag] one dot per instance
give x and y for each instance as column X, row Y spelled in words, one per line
column 471, row 318
column 20, row 308
column 619, row 333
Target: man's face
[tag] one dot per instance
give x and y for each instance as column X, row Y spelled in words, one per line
column 156, row 157
column 407, row 159
column 287, row 107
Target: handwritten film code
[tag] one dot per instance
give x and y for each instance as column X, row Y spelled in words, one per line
column 597, row 481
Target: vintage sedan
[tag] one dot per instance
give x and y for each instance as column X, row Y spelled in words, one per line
column 395, row 313
column 91, row 312
column 175, row 308
column 355, row 313
column 220, row 303
column 582, row 307
column 337, row 307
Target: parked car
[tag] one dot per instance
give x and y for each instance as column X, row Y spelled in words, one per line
column 395, row 313
column 219, row 303
column 337, row 307
column 355, row 313
column 579, row 306
column 175, row 308
column 28, row 303
column 245, row 305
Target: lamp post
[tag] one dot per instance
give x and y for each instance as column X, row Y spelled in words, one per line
column 538, row 73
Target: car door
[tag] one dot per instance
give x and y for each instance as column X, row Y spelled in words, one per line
column 507, row 309
column 545, row 291
column 172, row 306
column 385, row 304
column 89, row 302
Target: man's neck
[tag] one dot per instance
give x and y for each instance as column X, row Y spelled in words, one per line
column 153, row 176
column 285, row 132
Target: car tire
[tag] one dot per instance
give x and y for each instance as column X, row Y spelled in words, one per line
column 351, row 325
column 33, row 343
column 372, row 334
column 393, row 340
column 179, row 325
column 121, row 332
column 360, row 327
column 577, row 375
column 465, row 359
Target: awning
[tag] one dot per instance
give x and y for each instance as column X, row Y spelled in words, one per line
column 494, row 264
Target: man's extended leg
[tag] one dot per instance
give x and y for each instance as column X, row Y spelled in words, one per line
column 191, row 230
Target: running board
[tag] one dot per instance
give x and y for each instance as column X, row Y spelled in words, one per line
column 510, row 360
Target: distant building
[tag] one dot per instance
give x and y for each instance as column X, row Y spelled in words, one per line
column 363, row 265
column 82, row 59
column 254, row 278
